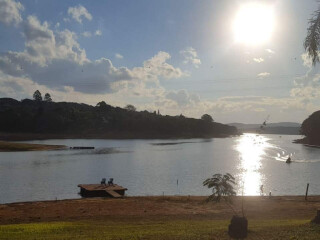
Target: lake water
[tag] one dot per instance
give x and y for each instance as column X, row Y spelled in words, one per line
column 156, row 167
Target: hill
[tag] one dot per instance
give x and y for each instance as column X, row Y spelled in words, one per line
column 29, row 119
column 311, row 129
column 290, row 128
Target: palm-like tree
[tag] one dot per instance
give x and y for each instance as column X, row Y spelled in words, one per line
column 222, row 187
column 312, row 41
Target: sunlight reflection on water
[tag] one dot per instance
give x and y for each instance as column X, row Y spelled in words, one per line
column 251, row 148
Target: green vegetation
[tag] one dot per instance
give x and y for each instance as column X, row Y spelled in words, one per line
column 222, row 187
column 13, row 147
column 100, row 121
column 154, row 229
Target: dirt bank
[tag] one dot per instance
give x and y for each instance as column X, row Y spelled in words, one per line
column 15, row 147
column 175, row 207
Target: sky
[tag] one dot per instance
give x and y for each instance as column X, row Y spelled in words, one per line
column 239, row 61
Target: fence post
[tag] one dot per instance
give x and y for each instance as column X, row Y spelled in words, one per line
column 306, row 197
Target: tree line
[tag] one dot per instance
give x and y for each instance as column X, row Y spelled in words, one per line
column 102, row 120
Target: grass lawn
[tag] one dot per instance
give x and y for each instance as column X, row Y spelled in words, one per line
column 158, row 229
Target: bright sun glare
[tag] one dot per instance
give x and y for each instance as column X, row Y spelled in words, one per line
column 253, row 24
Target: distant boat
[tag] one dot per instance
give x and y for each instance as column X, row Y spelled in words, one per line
column 288, row 160
column 81, row 147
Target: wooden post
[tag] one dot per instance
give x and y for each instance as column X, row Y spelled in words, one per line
column 306, row 197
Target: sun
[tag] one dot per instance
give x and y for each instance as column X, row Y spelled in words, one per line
column 253, row 24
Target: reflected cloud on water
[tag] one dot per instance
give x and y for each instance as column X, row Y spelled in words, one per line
column 251, row 148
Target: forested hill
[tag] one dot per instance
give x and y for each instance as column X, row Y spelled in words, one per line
column 65, row 119
column 311, row 129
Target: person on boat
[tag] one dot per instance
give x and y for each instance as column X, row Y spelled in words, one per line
column 288, row 160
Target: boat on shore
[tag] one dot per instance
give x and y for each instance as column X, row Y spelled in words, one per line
column 102, row 190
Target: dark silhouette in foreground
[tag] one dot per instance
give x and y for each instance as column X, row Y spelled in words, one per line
column 223, row 188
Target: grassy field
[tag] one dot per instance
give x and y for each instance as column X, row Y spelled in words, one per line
column 14, row 146
column 175, row 217
column 165, row 229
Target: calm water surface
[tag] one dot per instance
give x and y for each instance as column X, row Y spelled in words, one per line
column 154, row 167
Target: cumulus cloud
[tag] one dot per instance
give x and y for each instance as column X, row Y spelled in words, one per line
column 190, row 56
column 118, row 56
column 79, row 13
column 10, row 11
column 263, row 74
column 87, row 34
column 56, row 60
column 258, row 60
column 182, row 97
column 307, row 61
column 156, row 67
column 98, row 33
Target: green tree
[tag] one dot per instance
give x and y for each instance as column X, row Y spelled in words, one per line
column 130, row 108
column 47, row 97
column 37, row 96
column 312, row 40
column 207, row 118
column 222, row 187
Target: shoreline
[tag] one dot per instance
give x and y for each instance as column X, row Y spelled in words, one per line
column 306, row 142
column 6, row 146
column 116, row 136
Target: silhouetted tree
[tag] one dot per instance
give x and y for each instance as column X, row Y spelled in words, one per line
column 207, row 118
column 130, row 107
column 47, row 97
column 37, row 96
column 222, row 187
column 101, row 104
column 70, row 118
column 312, row 41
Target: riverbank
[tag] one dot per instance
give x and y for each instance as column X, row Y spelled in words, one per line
column 176, row 217
column 306, row 142
column 109, row 135
column 16, row 147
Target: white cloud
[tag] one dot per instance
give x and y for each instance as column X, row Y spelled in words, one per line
column 156, row 67
column 98, row 33
column 56, row 60
column 307, row 61
column 263, row 74
column 118, row 56
column 10, row 11
column 270, row 51
column 87, row 34
column 182, row 97
column 258, row 60
column 190, row 56
column 79, row 12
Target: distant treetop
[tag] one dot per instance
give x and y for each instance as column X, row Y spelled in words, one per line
column 130, row 107
column 207, row 118
column 101, row 104
column 47, row 97
column 37, row 96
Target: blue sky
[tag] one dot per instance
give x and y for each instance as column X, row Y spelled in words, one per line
column 175, row 56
